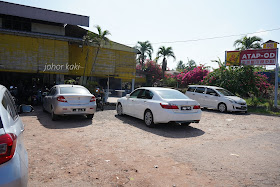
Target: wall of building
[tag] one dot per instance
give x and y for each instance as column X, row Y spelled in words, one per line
column 0, row 22
column 32, row 55
column 48, row 29
column 121, row 64
column 38, row 55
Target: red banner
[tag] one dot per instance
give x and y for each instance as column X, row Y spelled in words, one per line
column 258, row 57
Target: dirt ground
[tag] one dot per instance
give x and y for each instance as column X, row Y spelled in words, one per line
column 222, row 150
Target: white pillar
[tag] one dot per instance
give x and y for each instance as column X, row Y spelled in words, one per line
column 132, row 85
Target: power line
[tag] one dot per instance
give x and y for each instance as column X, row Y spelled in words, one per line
column 212, row 38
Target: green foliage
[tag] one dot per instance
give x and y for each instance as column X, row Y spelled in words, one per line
column 180, row 66
column 170, row 82
column 241, row 80
column 248, row 43
column 145, row 49
column 70, row 81
column 92, row 85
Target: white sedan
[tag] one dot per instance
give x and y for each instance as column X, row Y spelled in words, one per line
column 159, row 105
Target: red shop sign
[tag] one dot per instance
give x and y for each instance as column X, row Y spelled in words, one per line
column 258, row 57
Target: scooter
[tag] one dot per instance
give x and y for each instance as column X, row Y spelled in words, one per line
column 99, row 102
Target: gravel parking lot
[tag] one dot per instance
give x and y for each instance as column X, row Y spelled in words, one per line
column 222, row 150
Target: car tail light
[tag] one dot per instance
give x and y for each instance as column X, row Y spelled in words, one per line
column 92, row 99
column 61, row 99
column 196, row 107
column 7, row 147
column 168, row 106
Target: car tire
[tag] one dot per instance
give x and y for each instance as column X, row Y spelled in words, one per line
column 90, row 116
column 222, row 107
column 54, row 116
column 149, row 119
column 44, row 110
column 119, row 109
column 185, row 124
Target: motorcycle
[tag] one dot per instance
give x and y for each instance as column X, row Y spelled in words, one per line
column 99, row 102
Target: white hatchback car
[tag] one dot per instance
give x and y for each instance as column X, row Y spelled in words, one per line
column 13, row 155
column 216, row 98
column 159, row 105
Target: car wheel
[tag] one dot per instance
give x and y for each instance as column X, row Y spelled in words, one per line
column 54, row 116
column 148, row 119
column 90, row 116
column 222, row 107
column 119, row 109
column 44, row 110
column 185, row 124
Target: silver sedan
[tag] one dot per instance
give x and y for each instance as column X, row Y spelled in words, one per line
column 69, row 100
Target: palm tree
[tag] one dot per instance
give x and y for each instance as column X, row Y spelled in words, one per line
column 165, row 53
column 99, row 39
column 145, row 48
column 248, row 43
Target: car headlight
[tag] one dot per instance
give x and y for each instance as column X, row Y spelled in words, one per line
column 232, row 101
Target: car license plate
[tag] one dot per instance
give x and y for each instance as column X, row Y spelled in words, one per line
column 186, row 107
column 79, row 109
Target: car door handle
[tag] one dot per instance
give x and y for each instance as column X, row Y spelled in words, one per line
column 145, row 101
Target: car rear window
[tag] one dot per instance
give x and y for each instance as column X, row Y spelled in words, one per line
column 171, row 94
column 191, row 89
column 74, row 90
column 200, row 90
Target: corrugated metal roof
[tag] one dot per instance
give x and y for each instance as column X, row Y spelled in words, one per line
column 42, row 14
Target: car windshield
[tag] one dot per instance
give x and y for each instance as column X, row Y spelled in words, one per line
column 225, row 92
column 74, row 90
column 171, row 94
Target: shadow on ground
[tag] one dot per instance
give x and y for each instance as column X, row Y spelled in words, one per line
column 218, row 112
column 63, row 122
column 169, row 130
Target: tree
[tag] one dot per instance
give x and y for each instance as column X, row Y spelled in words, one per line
column 248, row 43
column 191, row 64
column 165, row 53
column 145, row 48
column 220, row 63
column 180, row 66
column 99, row 39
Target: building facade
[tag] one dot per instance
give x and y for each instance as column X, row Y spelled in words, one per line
column 39, row 46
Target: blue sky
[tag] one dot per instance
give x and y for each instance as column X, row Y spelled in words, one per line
column 162, row 21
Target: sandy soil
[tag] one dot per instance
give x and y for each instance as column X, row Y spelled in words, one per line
column 222, row 150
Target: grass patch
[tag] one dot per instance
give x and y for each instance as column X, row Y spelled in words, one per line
column 262, row 106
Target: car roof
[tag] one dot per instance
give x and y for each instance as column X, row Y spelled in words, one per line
column 155, row 88
column 69, row 85
column 213, row 87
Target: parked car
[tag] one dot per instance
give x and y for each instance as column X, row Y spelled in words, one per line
column 159, row 105
column 216, row 98
column 13, row 155
column 69, row 99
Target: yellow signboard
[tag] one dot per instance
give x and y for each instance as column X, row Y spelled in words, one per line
column 233, row 58
column 270, row 45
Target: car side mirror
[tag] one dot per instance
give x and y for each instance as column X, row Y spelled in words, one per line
column 127, row 96
column 25, row 109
